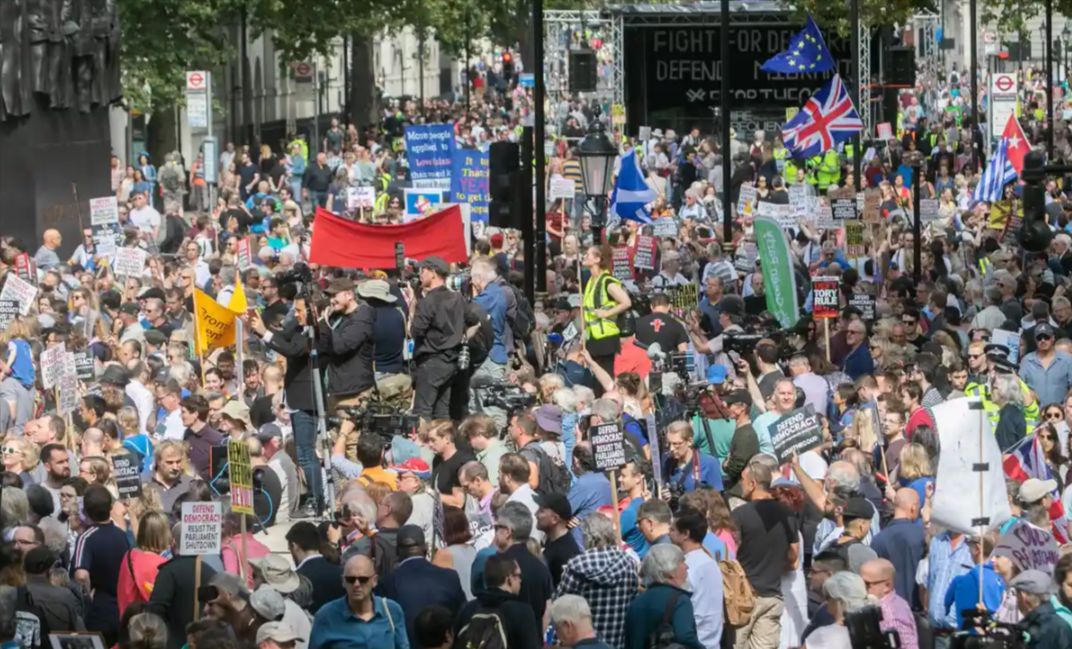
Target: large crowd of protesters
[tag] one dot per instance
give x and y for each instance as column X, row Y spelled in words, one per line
column 483, row 519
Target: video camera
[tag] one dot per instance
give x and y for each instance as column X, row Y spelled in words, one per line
column 987, row 633
column 489, row 393
column 385, row 424
column 299, row 273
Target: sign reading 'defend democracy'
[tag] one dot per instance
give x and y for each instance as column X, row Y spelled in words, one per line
column 469, row 182
column 430, row 154
column 201, row 524
column 795, row 433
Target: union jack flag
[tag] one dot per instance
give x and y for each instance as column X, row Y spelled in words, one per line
column 1025, row 460
column 825, row 120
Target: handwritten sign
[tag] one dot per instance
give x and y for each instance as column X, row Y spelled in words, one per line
column 20, row 291
column 240, row 475
column 52, row 365
column 621, row 268
column 1029, row 547
column 928, row 210
column 201, row 527
column 825, row 297
column 608, row 445
column 795, row 433
column 844, row 209
column 127, row 472
column 798, row 198
column 9, row 310
column 565, row 188
column 644, row 257
column 130, row 261
column 67, row 387
column 664, row 227
column 872, row 206
column 785, row 215
column 824, row 216
column 360, row 198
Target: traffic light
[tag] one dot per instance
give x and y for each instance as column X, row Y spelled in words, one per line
column 1035, row 234
column 505, row 185
column 508, row 65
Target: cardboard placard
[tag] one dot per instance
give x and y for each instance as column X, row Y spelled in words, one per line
column 361, row 198
column 621, row 267
column 67, row 386
column 52, row 365
column 682, row 298
column 126, row 469
column 745, row 261
column 85, row 366
column 824, row 216
column 26, row 269
column 104, row 223
column 608, row 445
column 644, row 256
column 872, row 206
column 928, row 210
column 644, row 133
column 844, row 209
column 201, row 528
column 129, row 262
column 240, row 476
column 19, row 291
column 854, row 239
column 746, row 200
column 244, row 256
column 1029, row 547
column 825, row 302
column 795, row 433
column 9, row 310
column 798, row 198
column 565, row 188
column 664, row 227
column 866, row 305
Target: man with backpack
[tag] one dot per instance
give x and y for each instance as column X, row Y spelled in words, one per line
column 546, row 475
column 498, row 618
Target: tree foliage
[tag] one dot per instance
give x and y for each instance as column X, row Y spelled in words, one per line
column 835, row 15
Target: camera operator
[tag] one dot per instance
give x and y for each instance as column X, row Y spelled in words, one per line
column 437, row 326
column 346, row 340
column 491, row 297
column 290, row 340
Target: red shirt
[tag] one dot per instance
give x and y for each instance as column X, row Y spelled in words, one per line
column 919, row 417
column 137, row 574
column 632, row 359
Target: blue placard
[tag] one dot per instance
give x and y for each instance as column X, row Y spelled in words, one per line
column 526, row 80
column 469, row 182
column 429, row 151
column 416, row 199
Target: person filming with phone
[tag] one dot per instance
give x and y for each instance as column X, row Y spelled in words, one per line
column 346, row 342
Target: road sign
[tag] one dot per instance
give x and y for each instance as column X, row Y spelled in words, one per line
column 196, row 80
column 302, row 71
column 198, row 99
column 1003, row 92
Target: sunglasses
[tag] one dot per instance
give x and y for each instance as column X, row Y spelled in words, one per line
column 1056, row 416
column 362, row 579
column 975, row 356
column 1041, row 337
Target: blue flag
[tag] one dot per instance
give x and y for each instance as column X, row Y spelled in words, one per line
column 999, row 172
column 631, row 194
column 806, row 53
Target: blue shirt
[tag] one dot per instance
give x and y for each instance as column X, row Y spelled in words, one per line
column 963, row 593
column 859, row 362
column 493, row 301
column 335, row 626
column 631, row 534
column 589, row 492
column 685, row 475
column 22, row 369
column 945, row 564
column 902, row 543
column 1051, row 384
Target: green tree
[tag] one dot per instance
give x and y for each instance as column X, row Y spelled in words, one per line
column 835, row 15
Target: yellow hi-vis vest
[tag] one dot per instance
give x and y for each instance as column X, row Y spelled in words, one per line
column 596, row 296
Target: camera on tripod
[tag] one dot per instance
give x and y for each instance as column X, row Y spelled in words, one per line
column 384, row 424
column 510, row 398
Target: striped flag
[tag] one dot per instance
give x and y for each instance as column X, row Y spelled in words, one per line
column 631, row 194
column 999, row 172
column 1025, row 460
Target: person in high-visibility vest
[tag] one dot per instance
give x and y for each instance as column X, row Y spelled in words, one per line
column 780, row 155
column 603, row 301
column 811, row 165
column 790, row 172
column 829, row 171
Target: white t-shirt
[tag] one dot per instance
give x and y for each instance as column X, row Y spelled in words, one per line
column 146, row 219
column 705, row 582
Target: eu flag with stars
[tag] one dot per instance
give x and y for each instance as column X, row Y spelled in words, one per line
column 806, row 54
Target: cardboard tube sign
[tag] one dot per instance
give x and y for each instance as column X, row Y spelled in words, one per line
column 795, row 433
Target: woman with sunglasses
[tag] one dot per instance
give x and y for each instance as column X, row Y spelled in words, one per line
column 20, row 457
column 1050, row 443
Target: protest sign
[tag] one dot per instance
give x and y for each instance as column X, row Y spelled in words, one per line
column 1029, row 547
column 872, row 206
column 644, row 133
column 664, row 227
column 783, row 214
column 360, row 198
column 795, row 433
column 608, row 446
column 682, row 298
column 644, row 257
column 824, row 216
column 104, row 223
column 565, row 188
column 9, row 309
column 961, row 495
column 129, row 262
column 1010, row 339
column 85, row 366
column 745, row 261
column 928, row 210
column 844, row 209
column 126, row 469
column 202, row 524
column 865, row 304
column 67, row 389
column 746, row 200
column 469, row 181
column 421, row 202
column 430, row 154
column 52, row 365
column 25, row 268
column 798, row 198
column 621, row 267
column 19, row 291
column 854, row 239
column 245, row 254
column 825, row 302
column 240, row 476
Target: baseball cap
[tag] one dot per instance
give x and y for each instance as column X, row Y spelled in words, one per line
column 414, row 465
column 858, row 507
column 129, row 308
column 436, row 264
column 1035, row 582
column 151, row 291
column 279, row 632
column 268, row 431
column 1043, row 329
column 549, row 418
column 716, row 374
column 268, row 603
column 1033, row 490
column 738, row 396
column 557, row 503
column 410, row 536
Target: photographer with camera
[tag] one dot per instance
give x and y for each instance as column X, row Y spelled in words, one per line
column 491, row 297
column 437, row 326
column 290, row 340
column 346, row 341
column 687, row 468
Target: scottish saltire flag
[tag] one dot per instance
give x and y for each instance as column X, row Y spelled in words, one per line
column 998, row 173
column 827, row 119
column 631, row 194
column 1027, row 460
column 806, row 53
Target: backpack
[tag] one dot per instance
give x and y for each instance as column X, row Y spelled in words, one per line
column 483, row 631
column 554, row 478
column 524, row 321
column 739, row 600
column 170, row 178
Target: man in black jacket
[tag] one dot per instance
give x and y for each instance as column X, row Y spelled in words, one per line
column 173, row 591
column 303, row 540
column 437, row 325
column 502, row 576
column 290, row 341
column 346, row 342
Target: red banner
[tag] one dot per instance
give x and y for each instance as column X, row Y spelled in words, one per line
column 345, row 244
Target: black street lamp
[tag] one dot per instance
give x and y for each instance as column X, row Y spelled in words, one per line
column 597, row 154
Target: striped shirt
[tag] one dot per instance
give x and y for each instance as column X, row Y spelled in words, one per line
column 944, row 563
column 571, row 169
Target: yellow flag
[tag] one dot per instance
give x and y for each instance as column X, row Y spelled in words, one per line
column 214, row 324
column 238, row 303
